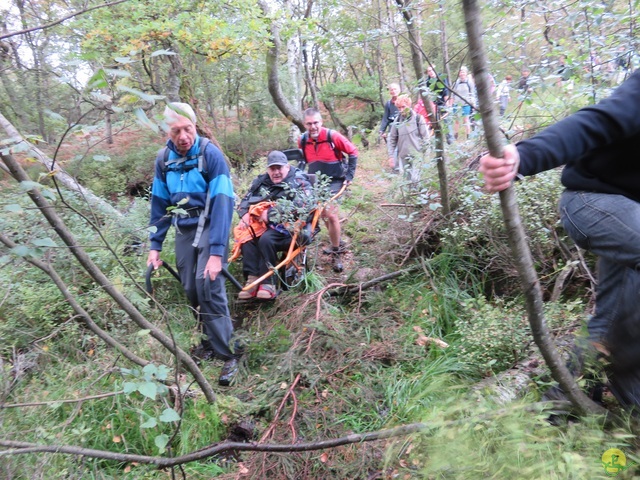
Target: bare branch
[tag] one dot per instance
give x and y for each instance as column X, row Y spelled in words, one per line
column 18, row 448
column 63, row 19
column 54, row 402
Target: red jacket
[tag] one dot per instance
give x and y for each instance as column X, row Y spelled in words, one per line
column 321, row 157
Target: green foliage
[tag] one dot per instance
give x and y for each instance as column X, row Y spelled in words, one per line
column 493, row 337
column 117, row 176
column 477, row 226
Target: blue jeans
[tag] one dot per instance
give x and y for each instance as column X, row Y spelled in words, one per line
column 609, row 226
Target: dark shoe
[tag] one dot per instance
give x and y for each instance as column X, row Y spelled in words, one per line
column 337, row 263
column 200, row 353
column 330, row 250
column 229, row 370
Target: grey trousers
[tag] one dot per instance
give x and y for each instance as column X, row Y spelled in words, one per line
column 213, row 306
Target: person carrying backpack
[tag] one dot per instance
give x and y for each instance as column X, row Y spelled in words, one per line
column 463, row 100
column 408, row 135
column 192, row 175
column 324, row 151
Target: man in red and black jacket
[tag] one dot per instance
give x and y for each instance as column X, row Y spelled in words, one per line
column 325, row 155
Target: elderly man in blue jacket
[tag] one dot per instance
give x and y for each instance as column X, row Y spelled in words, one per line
column 192, row 175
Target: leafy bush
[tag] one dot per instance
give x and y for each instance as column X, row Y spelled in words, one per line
column 492, row 337
column 477, row 228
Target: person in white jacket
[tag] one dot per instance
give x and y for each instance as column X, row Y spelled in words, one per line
column 409, row 133
column 503, row 93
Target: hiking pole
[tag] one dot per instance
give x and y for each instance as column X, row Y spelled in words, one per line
column 231, row 278
column 147, row 278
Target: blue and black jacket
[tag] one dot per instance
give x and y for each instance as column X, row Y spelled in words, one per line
column 177, row 183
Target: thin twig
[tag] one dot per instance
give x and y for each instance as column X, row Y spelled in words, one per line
column 54, row 402
column 269, row 430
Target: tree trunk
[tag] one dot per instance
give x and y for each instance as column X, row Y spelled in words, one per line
column 273, row 52
column 391, row 22
column 515, row 230
column 64, row 178
column 415, row 43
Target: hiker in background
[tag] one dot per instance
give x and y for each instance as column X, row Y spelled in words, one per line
column 408, row 134
column 523, row 82
column 503, row 94
column 324, row 152
column 389, row 115
column 463, row 99
column 192, row 174
column 261, row 223
column 600, row 210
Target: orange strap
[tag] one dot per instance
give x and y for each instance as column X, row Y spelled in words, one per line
column 245, row 233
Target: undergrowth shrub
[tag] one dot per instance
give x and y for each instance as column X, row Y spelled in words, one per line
column 492, row 336
column 477, row 229
column 495, row 336
column 117, row 175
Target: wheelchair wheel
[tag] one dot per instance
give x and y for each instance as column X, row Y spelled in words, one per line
column 293, row 274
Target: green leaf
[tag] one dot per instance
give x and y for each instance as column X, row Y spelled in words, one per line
column 144, row 96
column 13, row 208
column 98, row 80
column 48, row 194
column 148, row 389
column 169, row 415
column 44, row 242
column 162, row 52
column 54, row 115
column 150, row 369
column 142, row 333
column 144, row 120
column 124, row 60
column 161, row 442
column 149, row 423
column 117, row 73
column 101, row 158
column 152, row 229
column 163, row 372
column 129, row 387
column 101, row 96
column 27, row 185
column 21, row 251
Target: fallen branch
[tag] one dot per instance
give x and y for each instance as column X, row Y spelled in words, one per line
column 342, row 289
column 55, row 402
column 18, row 448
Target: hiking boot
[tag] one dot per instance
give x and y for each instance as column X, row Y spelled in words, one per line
column 267, row 292
column 249, row 294
column 330, row 250
column 200, row 353
column 229, row 370
column 337, row 263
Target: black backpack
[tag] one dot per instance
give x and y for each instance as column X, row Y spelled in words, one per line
column 178, row 163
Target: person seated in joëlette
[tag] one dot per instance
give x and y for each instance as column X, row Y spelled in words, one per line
column 263, row 218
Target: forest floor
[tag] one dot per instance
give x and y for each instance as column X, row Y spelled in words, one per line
column 332, row 357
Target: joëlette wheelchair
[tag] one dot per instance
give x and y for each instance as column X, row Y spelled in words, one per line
column 293, row 264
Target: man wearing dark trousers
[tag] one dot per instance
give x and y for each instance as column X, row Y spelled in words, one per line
column 197, row 181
